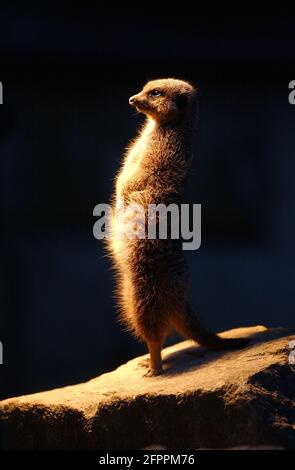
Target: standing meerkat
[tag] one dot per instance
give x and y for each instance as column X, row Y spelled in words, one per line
column 152, row 277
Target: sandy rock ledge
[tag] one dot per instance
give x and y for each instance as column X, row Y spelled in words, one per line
column 204, row 400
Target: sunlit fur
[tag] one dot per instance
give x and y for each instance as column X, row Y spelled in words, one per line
column 152, row 277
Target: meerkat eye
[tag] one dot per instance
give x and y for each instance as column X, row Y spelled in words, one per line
column 154, row 93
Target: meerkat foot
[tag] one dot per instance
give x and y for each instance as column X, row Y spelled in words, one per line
column 153, row 373
column 155, row 368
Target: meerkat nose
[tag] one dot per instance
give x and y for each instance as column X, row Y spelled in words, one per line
column 132, row 100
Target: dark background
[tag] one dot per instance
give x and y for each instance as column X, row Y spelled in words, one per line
column 67, row 73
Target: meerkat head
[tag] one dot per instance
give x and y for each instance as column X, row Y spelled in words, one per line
column 164, row 100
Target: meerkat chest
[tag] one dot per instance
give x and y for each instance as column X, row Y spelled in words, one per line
column 131, row 167
column 133, row 170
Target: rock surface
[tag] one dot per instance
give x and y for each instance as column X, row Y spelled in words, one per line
column 204, row 400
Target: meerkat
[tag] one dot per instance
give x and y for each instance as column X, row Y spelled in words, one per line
column 152, row 275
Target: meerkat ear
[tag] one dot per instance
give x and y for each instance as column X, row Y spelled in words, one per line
column 181, row 101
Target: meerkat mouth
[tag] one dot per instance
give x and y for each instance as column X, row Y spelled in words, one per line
column 140, row 106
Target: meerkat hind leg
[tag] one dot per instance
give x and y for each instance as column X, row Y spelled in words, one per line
column 154, row 348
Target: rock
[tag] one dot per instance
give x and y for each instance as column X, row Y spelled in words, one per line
column 204, row 400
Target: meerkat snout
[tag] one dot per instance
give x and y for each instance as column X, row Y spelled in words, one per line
column 139, row 102
column 132, row 100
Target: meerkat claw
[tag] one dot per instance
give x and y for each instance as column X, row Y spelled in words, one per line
column 153, row 372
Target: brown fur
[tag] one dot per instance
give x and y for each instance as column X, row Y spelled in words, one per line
column 152, row 283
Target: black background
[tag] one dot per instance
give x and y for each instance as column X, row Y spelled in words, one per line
column 67, row 73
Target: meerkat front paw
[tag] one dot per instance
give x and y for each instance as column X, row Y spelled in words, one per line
column 153, row 372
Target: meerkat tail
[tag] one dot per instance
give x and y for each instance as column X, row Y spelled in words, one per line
column 191, row 327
